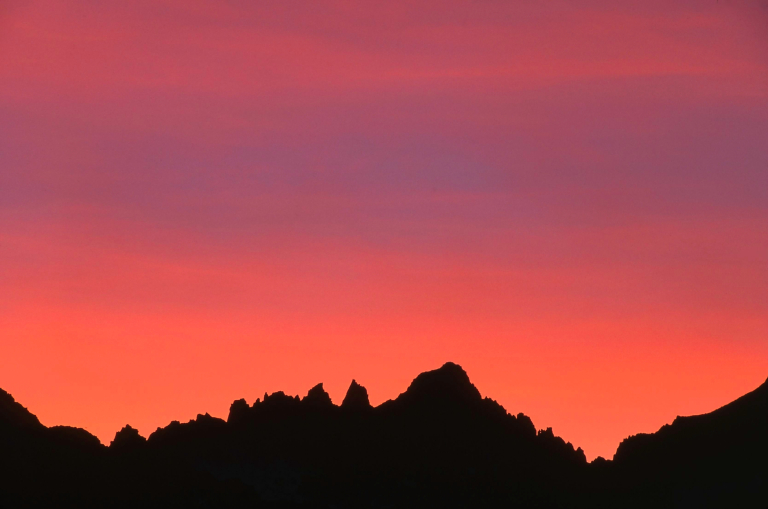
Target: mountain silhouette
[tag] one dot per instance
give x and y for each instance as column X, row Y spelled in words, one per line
column 448, row 388
column 356, row 398
column 719, row 459
column 13, row 414
column 438, row 444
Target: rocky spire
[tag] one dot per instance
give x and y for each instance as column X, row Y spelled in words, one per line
column 356, row 398
column 317, row 397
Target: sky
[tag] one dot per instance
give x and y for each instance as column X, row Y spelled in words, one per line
column 202, row 201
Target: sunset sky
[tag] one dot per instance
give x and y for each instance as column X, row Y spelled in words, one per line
column 207, row 200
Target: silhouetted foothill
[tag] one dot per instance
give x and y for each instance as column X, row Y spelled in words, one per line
column 77, row 437
column 723, row 454
column 356, row 398
column 127, row 439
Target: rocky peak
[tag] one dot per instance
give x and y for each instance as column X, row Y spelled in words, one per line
column 356, row 398
column 127, row 438
column 449, row 383
column 317, row 397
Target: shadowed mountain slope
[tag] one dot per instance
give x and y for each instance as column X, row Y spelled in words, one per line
column 439, row 444
column 719, row 459
column 13, row 414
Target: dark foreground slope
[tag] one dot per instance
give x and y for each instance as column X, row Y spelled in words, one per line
column 439, row 444
column 718, row 459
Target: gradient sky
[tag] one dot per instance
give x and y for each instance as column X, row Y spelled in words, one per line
column 206, row 200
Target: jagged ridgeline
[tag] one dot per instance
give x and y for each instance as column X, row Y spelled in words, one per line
column 439, row 444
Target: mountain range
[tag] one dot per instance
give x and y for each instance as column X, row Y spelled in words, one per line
column 438, row 444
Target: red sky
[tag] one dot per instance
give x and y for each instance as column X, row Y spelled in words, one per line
column 202, row 201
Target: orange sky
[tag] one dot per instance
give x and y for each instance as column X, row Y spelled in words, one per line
column 202, row 201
